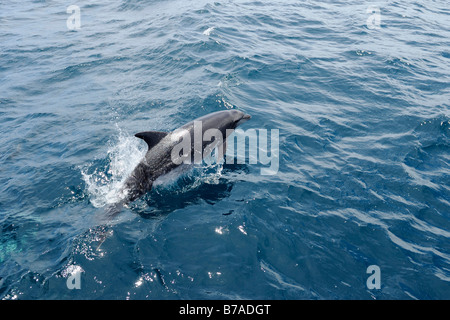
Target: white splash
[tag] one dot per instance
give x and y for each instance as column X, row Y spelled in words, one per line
column 104, row 185
column 208, row 31
column 70, row 270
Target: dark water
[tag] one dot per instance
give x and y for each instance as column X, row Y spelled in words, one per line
column 364, row 167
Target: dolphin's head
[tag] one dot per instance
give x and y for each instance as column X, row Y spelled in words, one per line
column 229, row 119
column 225, row 121
column 239, row 117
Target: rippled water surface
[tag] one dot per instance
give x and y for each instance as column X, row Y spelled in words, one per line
column 364, row 167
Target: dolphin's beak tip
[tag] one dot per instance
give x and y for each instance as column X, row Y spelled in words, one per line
column 247, row 117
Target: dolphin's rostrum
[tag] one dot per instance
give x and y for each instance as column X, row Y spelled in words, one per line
column 164, row 148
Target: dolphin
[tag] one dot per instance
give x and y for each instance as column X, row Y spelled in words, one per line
column 164, row 149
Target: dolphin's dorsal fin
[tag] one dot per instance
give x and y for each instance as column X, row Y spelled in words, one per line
column 151, row 137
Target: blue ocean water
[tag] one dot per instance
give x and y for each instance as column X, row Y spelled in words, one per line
column 362, row 106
